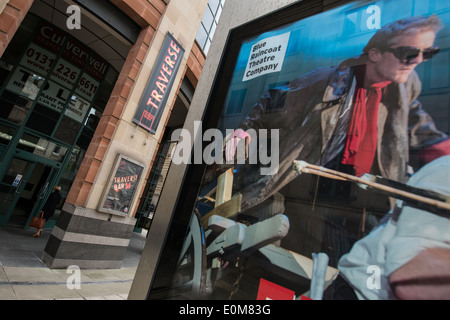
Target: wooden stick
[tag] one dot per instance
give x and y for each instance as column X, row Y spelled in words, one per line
column 323, row 174
column 304, row 167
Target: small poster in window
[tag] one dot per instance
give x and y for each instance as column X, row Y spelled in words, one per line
column 122, row 186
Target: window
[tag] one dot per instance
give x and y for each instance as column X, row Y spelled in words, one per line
column 49, row 89
column 209, row 23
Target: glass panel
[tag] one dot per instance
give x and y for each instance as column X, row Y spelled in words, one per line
column 14, row 107
column 77, row 108
column 207, row 45
column 17, row 166
column 38, row 59
column 25, row 83
column 42, row 147
column 72, row 166
column 54, row 96
column 213, row 4
column 65, row 73
column 208, row 19
column 93, row 119
column 67, row 130
column 33, row 56
column 5, row 69
column 105, row 89
column 43, row 119
column 33, row 144
column 7, row 193
column 85, row 138
column 11, row 181
column 6, row 133
column 211, row 32
column 201, row 36
column 87, row 87
column 219, row 12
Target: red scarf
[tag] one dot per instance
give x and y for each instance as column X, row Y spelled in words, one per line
column 362, row 134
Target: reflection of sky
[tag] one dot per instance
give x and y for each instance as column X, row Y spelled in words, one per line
column 330, row 37
column 305, row 34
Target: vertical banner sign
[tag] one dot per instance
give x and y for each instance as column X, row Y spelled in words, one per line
column 160, row 83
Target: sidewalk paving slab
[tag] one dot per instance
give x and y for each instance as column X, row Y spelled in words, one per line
column 23, row 275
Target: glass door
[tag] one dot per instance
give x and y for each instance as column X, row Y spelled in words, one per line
column 24, row 188
column 12, row 185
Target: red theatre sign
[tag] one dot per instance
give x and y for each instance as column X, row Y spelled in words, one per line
column 158, row 88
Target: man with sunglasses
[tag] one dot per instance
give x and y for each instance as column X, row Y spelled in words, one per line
column 412, row 251
column 360, row 117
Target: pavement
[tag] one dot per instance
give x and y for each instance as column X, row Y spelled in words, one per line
column 23, row 275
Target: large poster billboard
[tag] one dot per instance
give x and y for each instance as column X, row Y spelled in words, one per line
column 120, row 191
column 159, row 85
column 329, row 124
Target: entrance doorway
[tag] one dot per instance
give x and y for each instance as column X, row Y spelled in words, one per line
column 23, row 190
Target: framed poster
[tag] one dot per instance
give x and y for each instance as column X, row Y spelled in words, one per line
column 121, row 187
column 361, row 89
column 159, row 85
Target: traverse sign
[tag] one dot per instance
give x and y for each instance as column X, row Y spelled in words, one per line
column 266, row 56
column 158, row 87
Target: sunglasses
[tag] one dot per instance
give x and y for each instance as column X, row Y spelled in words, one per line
column 407, row 54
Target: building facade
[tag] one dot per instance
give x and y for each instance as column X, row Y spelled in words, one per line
column 227, row 250
column 76, row 92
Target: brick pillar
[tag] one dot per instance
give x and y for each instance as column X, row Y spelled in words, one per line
column 12, row 14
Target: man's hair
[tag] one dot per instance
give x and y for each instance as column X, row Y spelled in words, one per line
column 384, row 37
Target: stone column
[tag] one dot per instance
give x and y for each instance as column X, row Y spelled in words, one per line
column 89, row 239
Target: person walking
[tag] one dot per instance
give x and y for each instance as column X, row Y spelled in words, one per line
column 49, row 207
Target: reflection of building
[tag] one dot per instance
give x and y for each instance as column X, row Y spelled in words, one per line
column 321, row 43
column 68, row 94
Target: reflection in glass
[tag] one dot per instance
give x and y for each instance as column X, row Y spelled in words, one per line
column 6, row 134
column 43, row 119
column 67, row 130
column 42, row 147
column 25, row 83
column 77, row 108
column 14, row 107
column 11, row 182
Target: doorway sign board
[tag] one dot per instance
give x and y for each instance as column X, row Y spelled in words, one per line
column 160, row 83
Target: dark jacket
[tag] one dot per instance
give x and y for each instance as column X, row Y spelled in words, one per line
column 51, row 203
column 312, row 114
